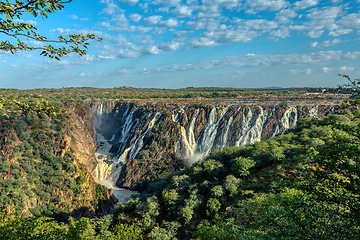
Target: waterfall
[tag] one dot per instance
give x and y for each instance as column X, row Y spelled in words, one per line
column 200, row 130
column 186, row 145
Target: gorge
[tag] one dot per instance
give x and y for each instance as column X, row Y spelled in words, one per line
column 138, row 143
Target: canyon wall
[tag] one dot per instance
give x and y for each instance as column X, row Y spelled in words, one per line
column 137, row 144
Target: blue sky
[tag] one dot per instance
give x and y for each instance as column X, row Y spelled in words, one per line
column 196, row 43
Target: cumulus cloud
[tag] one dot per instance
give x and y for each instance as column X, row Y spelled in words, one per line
column 339, row 32
column 305, row 4
column 155, row 19
column 167, row 3
column 182, row 11
column 326, row 69
column 153, row 50
column 346, row 68
column 325, row 43
column 255, row 60
column 350, row 21
column 282, row 32
column 169, row 23
column 315, row 34
column 202, row 42
column 285, row 15
column 169, row 46
column 261, row 5
column 118, row 22
column 322, row 18
column 314, row 44
column 135, row 17
column 111, row 7
column 207, row 23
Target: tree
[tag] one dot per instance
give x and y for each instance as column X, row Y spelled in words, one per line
column 13, row 27
column 354, row 87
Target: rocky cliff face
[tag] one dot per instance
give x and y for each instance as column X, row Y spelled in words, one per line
column 81, row 135
column 139, row 143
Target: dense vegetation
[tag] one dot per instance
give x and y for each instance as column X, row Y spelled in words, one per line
column 300, row 185
column 87, row 93
column 39, row 172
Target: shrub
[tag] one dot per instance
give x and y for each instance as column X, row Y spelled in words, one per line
column 241, row 165
column 213, row 206
column 217, row 191
column 231, row 184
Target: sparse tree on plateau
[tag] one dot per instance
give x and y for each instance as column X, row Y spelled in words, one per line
column 13, row 27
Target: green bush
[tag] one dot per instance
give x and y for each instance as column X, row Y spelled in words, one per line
column 231, row 184
column 241, row 165
column 212, row 206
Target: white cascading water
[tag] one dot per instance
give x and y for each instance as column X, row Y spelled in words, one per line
column 109, row 166
column 137, row 142
column 186, row 145
column 218, row 132
column 250, row 131
column 252, row 128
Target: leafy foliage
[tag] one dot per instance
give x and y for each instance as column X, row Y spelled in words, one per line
column 12, row 27
column 39, row 173
column 300, row 185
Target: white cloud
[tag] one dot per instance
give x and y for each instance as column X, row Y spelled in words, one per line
column 111, row 7
column 209, row 39
column 339, row 32
column 315, row 34
column 153, row 50
column 196, row 24
column 255, row 60
column 169, row 23
column 169, row 46
column 326, row 69
column 283, row 32
column 323, row 18
column 25, row 21
column 202, row 42
column 261, row 5
column 73, row 16
column 350, row 21
column 121, row 23
column 104, row 24
column 305, row 4
column 314, row 44
column 182, row 11
column 181, row 33
column 62, row 31
column 135, row 17
column 285, row 15
column 167, row 3
column 132, row 2
column 152, row 20
column 346, row 68
column 226, row 3
column 325, row 43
